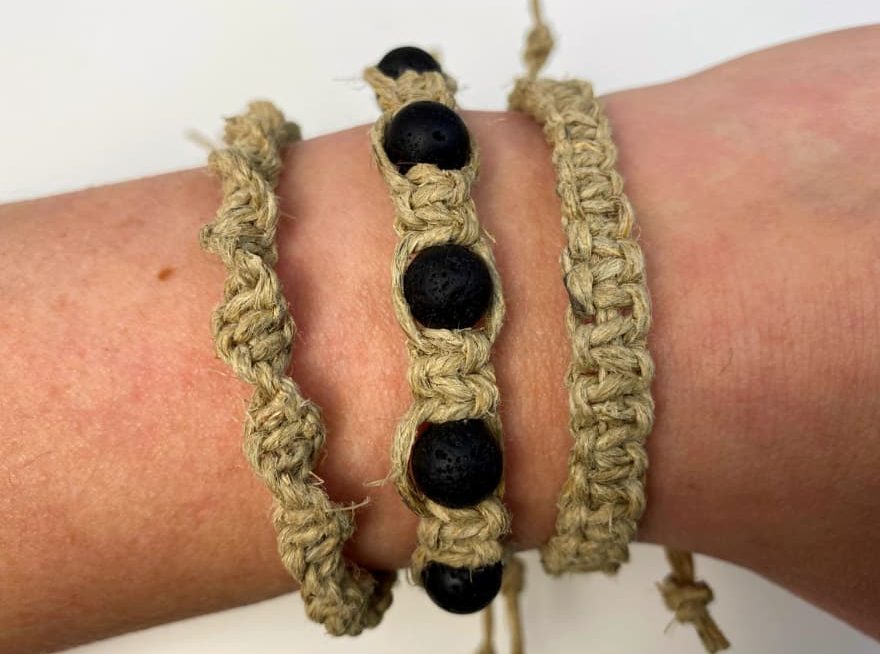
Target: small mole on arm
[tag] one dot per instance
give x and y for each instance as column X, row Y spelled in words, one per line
column 165, row 273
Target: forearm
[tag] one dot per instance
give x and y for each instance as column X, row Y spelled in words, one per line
column 127, row 500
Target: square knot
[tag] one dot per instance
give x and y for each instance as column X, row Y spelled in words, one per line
column 433, row 187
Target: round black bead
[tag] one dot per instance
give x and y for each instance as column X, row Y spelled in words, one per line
column 462, row 590
column 407, row 58
column 457, row 463
column 427, row 132
column 447, row 287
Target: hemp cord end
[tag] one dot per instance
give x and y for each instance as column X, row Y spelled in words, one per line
column 688, row 599
column 539, row 43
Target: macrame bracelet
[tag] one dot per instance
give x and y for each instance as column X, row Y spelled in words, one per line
column 608, row 318
column 447, row 449
column 283, row 432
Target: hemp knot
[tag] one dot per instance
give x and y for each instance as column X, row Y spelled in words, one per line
column 539, row 44
column 411, row 86
column 687, row 600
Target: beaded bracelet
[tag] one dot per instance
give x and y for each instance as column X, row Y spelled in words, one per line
column 608, row 318
column 447, row 450
column 283, row 432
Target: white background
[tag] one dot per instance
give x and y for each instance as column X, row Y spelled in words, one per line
column 94, row 92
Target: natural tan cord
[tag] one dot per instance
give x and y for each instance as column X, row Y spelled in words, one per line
column 450, row 375
column 283, row 431
column 608, row 318
column 689, row 599
column 511, row 591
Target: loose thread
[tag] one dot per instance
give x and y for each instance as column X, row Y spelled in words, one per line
column 512, row 585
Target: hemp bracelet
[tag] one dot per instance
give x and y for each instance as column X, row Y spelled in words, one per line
column 608, row 318
column 447, row 450
column 283, row 431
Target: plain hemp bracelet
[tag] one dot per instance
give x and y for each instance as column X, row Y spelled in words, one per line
column 447, row 450
column 608, row 318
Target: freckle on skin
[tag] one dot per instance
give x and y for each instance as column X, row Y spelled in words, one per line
column 164, row 274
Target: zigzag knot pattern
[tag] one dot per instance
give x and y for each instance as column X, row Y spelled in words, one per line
column 450, row 373
column 283, row 432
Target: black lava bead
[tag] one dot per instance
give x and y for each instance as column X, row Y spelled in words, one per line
column 427, row 132
column 462, row 590
column 447, row 287
column 456, row 464
column 407, row 58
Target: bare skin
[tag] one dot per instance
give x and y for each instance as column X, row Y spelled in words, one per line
column 126, row 501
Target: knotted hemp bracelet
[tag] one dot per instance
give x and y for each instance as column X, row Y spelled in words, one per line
column 608, row 319
column 447, row 449
column 611, row 411
column 283, row 431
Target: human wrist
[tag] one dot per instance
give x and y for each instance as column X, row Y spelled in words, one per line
column 351, row 358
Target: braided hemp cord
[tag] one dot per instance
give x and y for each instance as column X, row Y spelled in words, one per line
column 450, row 374
column 608, row 318
column 283, row 432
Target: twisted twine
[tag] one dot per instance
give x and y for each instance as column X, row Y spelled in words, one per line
column 283, row 431
column 450, row 375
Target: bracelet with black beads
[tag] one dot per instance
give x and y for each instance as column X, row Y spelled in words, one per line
column 447, row 456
